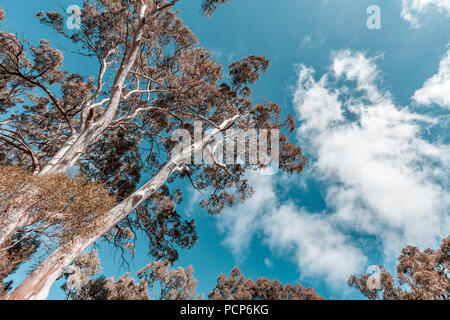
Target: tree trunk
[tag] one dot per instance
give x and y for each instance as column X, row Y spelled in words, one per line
column 49, row 166
column 11, row 220
column 15, row 216
column 92, row 132
column 37, row 285
column 77, row 144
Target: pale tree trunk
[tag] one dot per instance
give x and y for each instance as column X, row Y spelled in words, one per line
column 78, row 143
column 39, row 282
column 66, row 159
column 15, row 216
column 49, row 166
column 11, row 221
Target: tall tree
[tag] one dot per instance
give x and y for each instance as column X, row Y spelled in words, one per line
column 421, row 275
column 153, row 80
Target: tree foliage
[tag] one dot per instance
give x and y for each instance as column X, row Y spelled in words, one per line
column 20, row 250
column 115, row 125
column 55, row 205
column 421, row 275
column 238, row 287
column 157, row 280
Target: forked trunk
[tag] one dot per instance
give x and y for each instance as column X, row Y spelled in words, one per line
column 91, row 133
column 78, row 143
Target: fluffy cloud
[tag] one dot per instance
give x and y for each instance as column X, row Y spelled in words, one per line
column 319, row 248
column 312, row 241
column 240, row 225
column 382, row 179
column 411, row 9
column 437, row 88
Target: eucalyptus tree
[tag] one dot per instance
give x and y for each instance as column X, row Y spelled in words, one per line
column 153, row 82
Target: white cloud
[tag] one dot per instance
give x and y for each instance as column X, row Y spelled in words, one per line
column 356, row 67
column 437, row 88
column 321, row 106
column 411, row 9
column 382, row 179
column 319, row 248
column 312, row 241
column 195, row 198
column 240, row 224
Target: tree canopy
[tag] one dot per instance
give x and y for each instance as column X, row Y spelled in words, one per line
column 109, row 128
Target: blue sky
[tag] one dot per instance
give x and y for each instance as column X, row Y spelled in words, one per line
column 372, row 111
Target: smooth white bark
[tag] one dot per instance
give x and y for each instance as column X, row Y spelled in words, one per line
column 39, row 282
column 92, row 132
column 10, row 222
column 58, row 156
